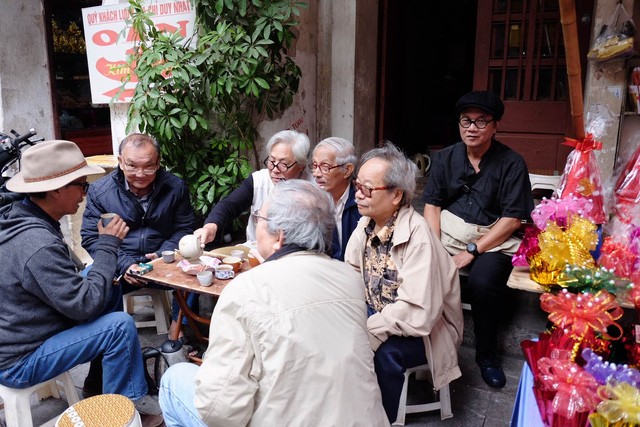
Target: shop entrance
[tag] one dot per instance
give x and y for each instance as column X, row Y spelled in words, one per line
column 433, row 52
column 76, row 118
column 427, row 58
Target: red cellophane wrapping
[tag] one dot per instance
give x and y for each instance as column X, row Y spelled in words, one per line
column 581, row 176
column 567, row 392
column 627, row 189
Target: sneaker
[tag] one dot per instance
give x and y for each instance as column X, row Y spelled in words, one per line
column 147, row 405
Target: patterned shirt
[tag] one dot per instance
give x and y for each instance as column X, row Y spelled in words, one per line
column 380, row 272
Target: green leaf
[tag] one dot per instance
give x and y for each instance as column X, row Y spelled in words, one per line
column 262, row 83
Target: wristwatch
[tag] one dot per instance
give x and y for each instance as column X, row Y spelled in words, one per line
column 472, row 248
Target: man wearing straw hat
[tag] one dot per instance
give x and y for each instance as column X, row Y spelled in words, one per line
column 51, row 319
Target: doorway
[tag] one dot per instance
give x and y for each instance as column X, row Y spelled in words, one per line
column 427, row 62
column 434, row 52
column 76, row 118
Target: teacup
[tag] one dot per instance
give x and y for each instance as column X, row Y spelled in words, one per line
column 253, row 261
column 239, row 253
column 106, row 218
column 233, row 261
column 224, row 272
column 190, row 246
column 205, row 278
column 168, row 256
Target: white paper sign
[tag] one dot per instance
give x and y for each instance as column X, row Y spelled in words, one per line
column 108, row 42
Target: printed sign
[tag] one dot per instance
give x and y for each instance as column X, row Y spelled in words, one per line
column 109, row 40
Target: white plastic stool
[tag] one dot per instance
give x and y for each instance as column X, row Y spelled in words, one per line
column 17, row 406
column 443, row 403
column 161, row 307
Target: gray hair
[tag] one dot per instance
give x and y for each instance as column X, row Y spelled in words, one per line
column 299, row 143
column 345, row 151
column 303, row 213
column 402, row 172
column 138, row 139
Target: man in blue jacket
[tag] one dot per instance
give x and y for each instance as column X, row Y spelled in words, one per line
column 333, row 166
column 153, row 202
column 53, row 319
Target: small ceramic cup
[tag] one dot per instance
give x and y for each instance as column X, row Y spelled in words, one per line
column 239, row 253
column 233, row 261
column 253, row 261
column 168, row 256
column 205, row 278
column 106, row 218
column 224, row 272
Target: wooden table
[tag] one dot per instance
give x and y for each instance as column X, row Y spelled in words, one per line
column 520, row 279
column 169, row 274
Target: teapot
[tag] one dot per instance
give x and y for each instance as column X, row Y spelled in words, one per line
column 190, row 247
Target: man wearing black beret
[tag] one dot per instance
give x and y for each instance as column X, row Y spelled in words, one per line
column 477, row 194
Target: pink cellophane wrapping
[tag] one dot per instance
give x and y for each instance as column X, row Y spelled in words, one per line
column 567, row 392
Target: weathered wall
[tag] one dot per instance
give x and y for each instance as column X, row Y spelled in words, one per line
column 301, row 115
column 605, row 88
column 25, row 86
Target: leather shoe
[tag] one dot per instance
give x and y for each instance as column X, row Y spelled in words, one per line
column 492, row 373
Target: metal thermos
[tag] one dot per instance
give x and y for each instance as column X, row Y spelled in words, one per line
column 173, row 352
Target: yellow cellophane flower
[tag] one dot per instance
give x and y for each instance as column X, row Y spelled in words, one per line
column 559, row 247
column 621, row 403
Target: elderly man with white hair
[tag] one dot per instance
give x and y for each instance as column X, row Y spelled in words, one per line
column 289, row 344
column 287, row 157
column 411, row 284
column 333, row 165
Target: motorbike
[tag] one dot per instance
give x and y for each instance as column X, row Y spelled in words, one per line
column 11, row 146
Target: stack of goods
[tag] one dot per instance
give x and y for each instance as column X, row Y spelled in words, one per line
column 585, row 365
column 615, row 38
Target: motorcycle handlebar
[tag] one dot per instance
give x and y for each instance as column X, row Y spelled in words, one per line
column 25, row 137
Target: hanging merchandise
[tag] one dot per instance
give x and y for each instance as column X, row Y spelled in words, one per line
column 615, row 39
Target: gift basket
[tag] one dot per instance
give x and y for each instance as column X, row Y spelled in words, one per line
column 584, row 250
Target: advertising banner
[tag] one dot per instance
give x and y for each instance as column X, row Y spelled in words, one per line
column 109, row 40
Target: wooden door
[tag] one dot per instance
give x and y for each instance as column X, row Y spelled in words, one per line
column 520, row 56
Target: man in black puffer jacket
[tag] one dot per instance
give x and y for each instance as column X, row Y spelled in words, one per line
column 153, row 202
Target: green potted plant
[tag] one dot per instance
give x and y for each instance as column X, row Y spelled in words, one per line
column 202, row 99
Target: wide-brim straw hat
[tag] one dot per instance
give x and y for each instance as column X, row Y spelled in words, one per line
column 50, row 165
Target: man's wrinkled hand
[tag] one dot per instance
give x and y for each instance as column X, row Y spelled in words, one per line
column 462, row 259
column 206, row 233
column 117, row 227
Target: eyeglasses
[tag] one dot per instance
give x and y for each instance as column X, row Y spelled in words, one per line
column 324, row 168
column 366, row 191
column 480, row 123
column 84, row 185
column 146, row 170
column 271, row 165
column 256, row 215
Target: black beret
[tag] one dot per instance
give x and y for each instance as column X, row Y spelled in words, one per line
column 482, row 100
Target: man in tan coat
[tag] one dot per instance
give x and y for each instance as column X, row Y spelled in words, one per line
column 411, row 284
column 288, row 342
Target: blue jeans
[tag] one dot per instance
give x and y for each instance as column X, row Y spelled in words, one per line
column 391, row 360
column 114, row 335
column 177, row 396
